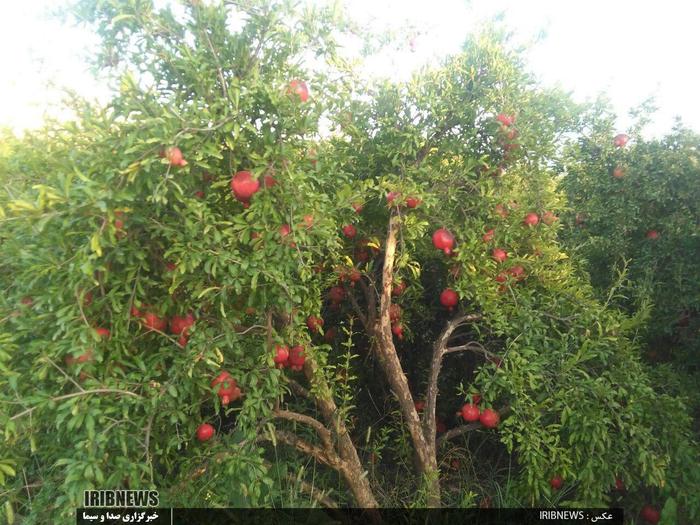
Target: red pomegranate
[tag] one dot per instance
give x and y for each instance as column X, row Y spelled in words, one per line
column 499, row 255
column 102, row 332
column 398, row 289
column 488, row 236
column 269, row 181
column 349, row 231
column 619, row 485
column 501, row 277
column 244, row 186
column 175, row 157
column 449, row 298
column 652, row 234
column 357, row 207
column 308, row 221
column 620, row 140
column 531, row 219
column 229, row 390
column 470, row 413
column 506, row 120
column 650, row 514
column 205, row 432
column 285, row 230
column 518, row 272
column 391, row 197
column 443, row 240
column 181, row 325
column 336, row 294
column 618, row 172
column 549, row 218
column 299, row 88
column 556, row 482
column 281, row 356
column 501, row 210
column 355, row 276
column 420, row 406
column 314, row 323
column 412, row 202
column 153, row 322
column 296, row 357
column 397, row 330
column 489, row 418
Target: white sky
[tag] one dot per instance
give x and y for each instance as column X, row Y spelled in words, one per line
column 629, row 49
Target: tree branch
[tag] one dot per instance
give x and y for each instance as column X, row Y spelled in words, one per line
column 439, row 350
column 77, row 394
column 323, row 433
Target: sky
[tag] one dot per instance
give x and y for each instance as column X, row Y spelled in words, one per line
column 629, row 50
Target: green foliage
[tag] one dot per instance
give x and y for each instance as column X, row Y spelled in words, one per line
column 96, row 223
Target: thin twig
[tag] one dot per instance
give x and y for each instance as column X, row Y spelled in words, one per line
column 77, row 394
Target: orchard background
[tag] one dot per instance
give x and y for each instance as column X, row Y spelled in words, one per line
column 255, row 278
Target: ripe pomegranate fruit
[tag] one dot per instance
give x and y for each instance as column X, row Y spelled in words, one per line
column 412, row 202
column 476, row 398
column 506, row 120
column 82, row 358
column 449, row 298
column 501, row 210
column 314, row 323
column 118, row 224
column 349, row 231
column 135, row 312
column 489, row 418
column 229, row 390
column 549, row 218
column 391, row 197
column 398, row 289
column 618, row 172
column 102, row 332
column 518, row 272
column 175, row 157
column 620, row 140
column 244, row 186
column 652, row 234
column 556, row 482
column 299, row 88
column 153, row 322
column 357, row 207
column 309, row 221
column 499, row 255
column 336, row 294
column 296, row 357
column 488, row 236
column 443, row 240
column 397, row 330
column 420, row 406
column 199, row 194
column 354, row 275
column 285, row 230
column 281, row 356
column 531, row 219
column 181, row 325
column 470, row 413
column 269, row 181
column 394, row 313
column 205, row 432
column 619, row 485
column 501, row 277
column 650, row 514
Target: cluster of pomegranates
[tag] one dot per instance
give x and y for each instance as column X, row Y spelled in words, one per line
column 293, row 357
column 228, row 391
column 471, row 413
column 179, row 325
